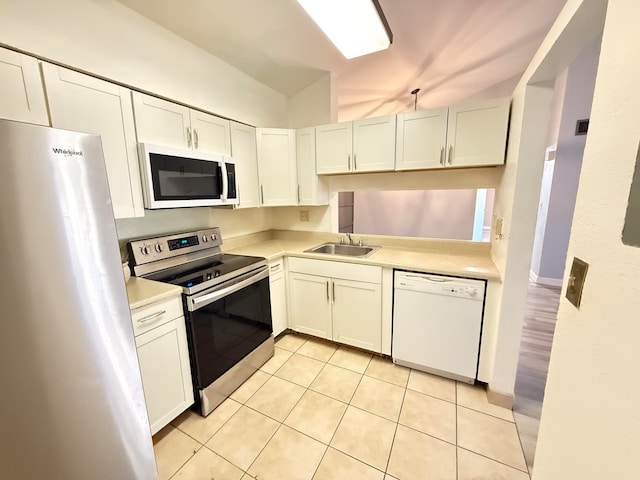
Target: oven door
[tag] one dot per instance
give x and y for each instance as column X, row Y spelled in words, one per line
column 182, row 178
column 227, row 323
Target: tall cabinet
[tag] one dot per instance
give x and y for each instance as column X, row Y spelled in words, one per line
column 87, row 104
column 243, row 151
column 277, row 166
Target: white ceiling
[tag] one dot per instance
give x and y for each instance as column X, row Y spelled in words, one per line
column 453, row 50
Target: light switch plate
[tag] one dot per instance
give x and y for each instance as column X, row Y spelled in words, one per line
column 576, row 281
column 304, row 215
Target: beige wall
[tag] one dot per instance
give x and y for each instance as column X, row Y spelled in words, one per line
column 590, row 423
column 108, row 39
column 313, row 105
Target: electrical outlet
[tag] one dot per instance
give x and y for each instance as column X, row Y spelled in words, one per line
column 304, row 215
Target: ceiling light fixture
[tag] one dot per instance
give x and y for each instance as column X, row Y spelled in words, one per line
column 356, row 27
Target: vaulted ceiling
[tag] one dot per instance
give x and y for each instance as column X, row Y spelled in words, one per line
column 453, row 50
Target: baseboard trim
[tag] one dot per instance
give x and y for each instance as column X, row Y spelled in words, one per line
column 501, row 399
column 552, row 282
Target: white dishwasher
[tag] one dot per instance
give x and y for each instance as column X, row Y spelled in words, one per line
column 436, row 324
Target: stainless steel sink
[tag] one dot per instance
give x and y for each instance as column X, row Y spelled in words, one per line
column 349, row 250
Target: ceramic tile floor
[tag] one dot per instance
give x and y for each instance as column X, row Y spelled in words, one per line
column 319, row 411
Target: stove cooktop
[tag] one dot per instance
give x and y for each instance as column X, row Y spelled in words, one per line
column 196, row 276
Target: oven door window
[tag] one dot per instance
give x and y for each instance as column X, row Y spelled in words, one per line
column 180, row 178
column 225, row 331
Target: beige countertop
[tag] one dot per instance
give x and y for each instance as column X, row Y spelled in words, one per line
column 443, row 260
column 142, row 292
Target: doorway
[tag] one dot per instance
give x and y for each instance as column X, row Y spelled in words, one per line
column 572, row 99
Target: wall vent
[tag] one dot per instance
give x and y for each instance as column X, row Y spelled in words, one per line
column 582, row 126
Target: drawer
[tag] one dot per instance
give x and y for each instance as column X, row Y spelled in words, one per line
column 276, row 266
column 156, row 314
column 327, row 268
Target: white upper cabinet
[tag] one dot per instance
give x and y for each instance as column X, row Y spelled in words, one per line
column 312, row 189
column 352, row 147
column 277, row 166
column 210, row 133
column 333, row 148
column 243, row 150
column 374, row 144
column 166, row 123
column 477, row 133
column 86, row 104
column 421, row 139
column 21, row 86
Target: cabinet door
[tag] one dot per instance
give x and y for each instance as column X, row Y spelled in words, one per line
column 310, row 304
column 278, row 297
column 86, row 104
column 277, row 166
column 421, row 139
column 333, row 148
column 477, row 133
column 210, row 133
column 22, row 93
column 374, row 144
column 243, row 151
column 161, row 122
column 165, row 371
column 312, row 189
column 357, row 314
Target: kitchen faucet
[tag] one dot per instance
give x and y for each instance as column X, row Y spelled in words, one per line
column 350, row 239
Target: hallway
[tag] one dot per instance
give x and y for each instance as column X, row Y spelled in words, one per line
column 535, row 350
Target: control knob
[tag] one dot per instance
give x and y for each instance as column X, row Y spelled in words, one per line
column 145, row 250
column 213, row 236
column 158, row 248
column 204, row 238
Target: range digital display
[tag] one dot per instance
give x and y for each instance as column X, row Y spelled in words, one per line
column 178, row 243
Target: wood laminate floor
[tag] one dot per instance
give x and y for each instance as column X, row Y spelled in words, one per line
column 535, row 350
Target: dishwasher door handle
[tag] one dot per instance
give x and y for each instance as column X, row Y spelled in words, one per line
column 430, row 279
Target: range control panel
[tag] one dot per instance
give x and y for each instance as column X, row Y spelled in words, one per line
column 159, row 248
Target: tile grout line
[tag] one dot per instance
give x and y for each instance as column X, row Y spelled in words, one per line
column 493, row 460
column 395, row 431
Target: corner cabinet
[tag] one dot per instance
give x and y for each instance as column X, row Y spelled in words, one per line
column 312, row 189
column 243, row 151
column 87, row 104
column 22, row 93
column 277, row 166
column 278, row 296
column 361, row 146
column 162, row 122
column 467, row 135
column 337, row 300
column 161, row 342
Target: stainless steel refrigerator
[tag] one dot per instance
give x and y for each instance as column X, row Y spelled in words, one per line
column 71, row 396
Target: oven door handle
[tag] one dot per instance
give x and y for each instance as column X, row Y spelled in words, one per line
column 197, row 302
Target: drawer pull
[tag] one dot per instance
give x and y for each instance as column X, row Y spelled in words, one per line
column 152, row 316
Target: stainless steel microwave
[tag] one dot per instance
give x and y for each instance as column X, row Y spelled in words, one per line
column 174, row 178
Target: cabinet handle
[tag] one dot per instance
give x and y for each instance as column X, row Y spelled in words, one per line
column 442, row 156
column 261, row 194
column 195, row 138
column 152, row 316
column 450, row 154
column 189, row 136
column 355, row 165
column 327, row 290
column 275, row 267
column 333, row 292
column 349, row 162
column 298, row 194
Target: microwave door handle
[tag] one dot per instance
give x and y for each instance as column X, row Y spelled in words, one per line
column 225, row 180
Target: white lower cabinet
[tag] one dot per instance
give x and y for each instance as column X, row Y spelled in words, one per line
column 337, row 301
column 278, row 295
column 163, row 356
